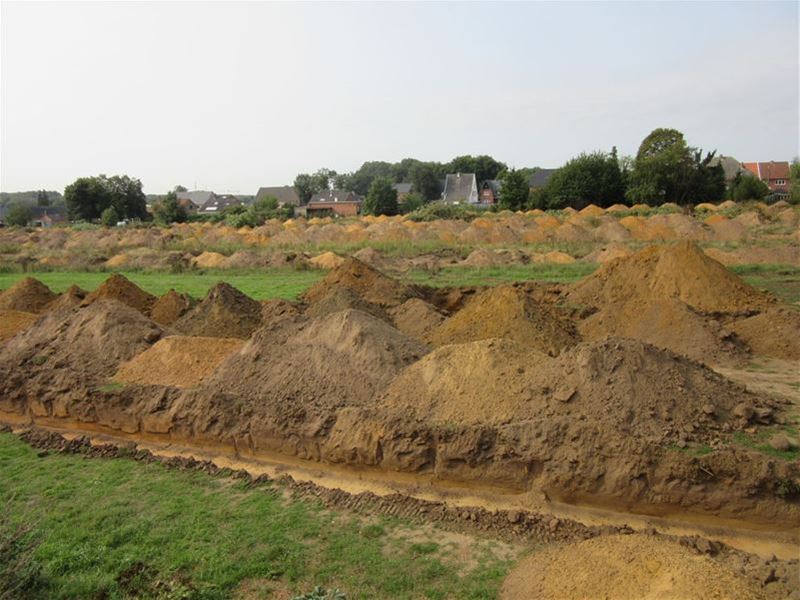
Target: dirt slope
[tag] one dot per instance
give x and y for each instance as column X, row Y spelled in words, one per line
column 225, row 313
column 774, row 332
column 170, row 307
column 416, row 318
column 14, row 321
column 70, row 298
column 28, row 295
column 118, row 287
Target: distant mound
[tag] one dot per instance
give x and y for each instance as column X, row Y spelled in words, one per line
column 278, row 311
column 364, row 281
column 681, row 271
column 14, row 321
column 170, row 307
column 507, row 311
column 337, row 360
column 775, row 332
column 225, row 312
column 28, row 295
column 416, row 318
column 72, row 297
column 119, row 288
column 178, row 361
column 337, row 299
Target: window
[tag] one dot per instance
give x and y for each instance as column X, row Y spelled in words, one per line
column 780, row 182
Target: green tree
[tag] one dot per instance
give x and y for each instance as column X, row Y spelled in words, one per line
column 168, row 210
column 87, row 197
column 424, row 180
column 747, row 187
column 794, row 179
column 485, row 167
column 412, row 202
column 180, row 188
column 42, row 199
column 361, row 180
column 514, row 191
column 306, row 185
column 586, row 179
column 19, row 214
column 109, row 217
column 381, row 198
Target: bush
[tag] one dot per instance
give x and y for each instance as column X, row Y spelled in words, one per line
column 109, row 217
column 412, row 202
column 19, row 215
column 169, row 211
column 437, row 210
column 747, row 187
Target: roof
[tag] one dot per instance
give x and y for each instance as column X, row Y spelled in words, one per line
column 540, row 177
column 493, row 184
column 730, row 166
column 217, row 204
column 459, row 186
column 335, row 196
column 769, row 170
column 402, row 188
column 199, row 197
column 286, row 194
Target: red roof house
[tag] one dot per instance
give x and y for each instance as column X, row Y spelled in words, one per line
column 774, row 174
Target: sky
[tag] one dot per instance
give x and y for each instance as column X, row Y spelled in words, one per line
column 232, row 96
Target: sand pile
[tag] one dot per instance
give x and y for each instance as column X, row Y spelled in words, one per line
column 416, row 318
column 337, row 360
column 326, row 260
column 278, row 311
column 626, row 567
column 224, row 313
column 775, row 332
column 209, row 260
column 507, row 311
column 680, row 271
column 73, row 296
column 364, row 281
column 14, row 321
column 337, row 299
column 118, row 287
column 178, row 361
column 170, row 307
column 28, row 295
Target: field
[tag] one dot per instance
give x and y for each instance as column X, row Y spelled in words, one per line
column 442, row 417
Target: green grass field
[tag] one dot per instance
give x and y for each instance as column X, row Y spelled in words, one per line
column 117, row 528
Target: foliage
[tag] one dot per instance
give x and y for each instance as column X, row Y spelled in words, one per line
column 109, row 217
column 257, row 213
column 666, row 169
column 514, row 191
column 593, row 178
column 320, row 593
column 42, row 199
column 412, row 202
column 168, row 210
column 794, row 179
column 381, row 198
column 180, row 188
column 485, row 167
column 425, row 180
column 436, row 210
column 19, row 214
column 747, row 187
column 88, row 197
column 306, row 185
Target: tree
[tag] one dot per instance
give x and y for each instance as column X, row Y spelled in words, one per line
column 794, row 179
column 747, row 187
column 361, row 180
column 586, row 179
column 42, row 199
column 485, row 167
column 109, row 217
column 87, row 197
column 514, row 191
column 180, row 188
column 19, row 214
column 306, row 185
column 381, row 198
column 424, row 180
column 168, row 210
column 412, row 202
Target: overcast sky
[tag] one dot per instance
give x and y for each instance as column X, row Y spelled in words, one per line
column 229, row 97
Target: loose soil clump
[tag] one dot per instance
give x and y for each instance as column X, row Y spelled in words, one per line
column 224, row 313
column 28, row 295
column 120, row 288
column 170, row 307
column 178, row 361
column 507, row 311
column 775, row 332
column 14, row 321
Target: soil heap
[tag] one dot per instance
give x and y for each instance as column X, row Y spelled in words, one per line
column 224, row 313
column 178, row 361
column 507, row 311
column 337, row 299
column 774, row 332
column 625, row 567
column 170, row 307
column 278, row 310
column 365, row 282
column 118, row 287
column 416, row 318
column 14, row 321
column 72, row 297
column 27, row 295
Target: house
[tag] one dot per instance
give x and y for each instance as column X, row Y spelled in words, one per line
column 47, row 216
column 460, row 188
column 285, row 194
column 730, row 166
column 403, row 190
column 774, row 174
column 188, row 205
column 196, row 197
column 540, row 178
column 490, row 191
column 218, row 203
column 334, row 202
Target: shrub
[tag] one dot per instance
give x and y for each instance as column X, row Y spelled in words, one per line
column 19, row 215
column 109, row 217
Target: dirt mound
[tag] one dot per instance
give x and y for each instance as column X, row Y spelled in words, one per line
column 178, row 361
column 364, row 281
column 338, row 299
column 416, row 318
column 118, row 287
column 224, row 313
column 277, row 311
column 775, row 332
column 210, row 260
column 625, row 567
column 170, row 307
column 337, row 360
column 29, row 295
column 326, row 260
column 507, row 311
column 680, row 271
column 73, row 296
column 14, row 321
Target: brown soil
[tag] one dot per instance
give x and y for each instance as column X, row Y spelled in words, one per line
column 224, row 313
column 416, row 318
column 365, row 282
column 14, row 321
column 72, row 297
column 118, row 287
column 29, row 295
column 338, row 299
column 681, row 271
column 628, row 567
column 277, row 311
column 326, row 260
column 507, row 311
column 178, row 361
column 775, row 332
column 170, row 307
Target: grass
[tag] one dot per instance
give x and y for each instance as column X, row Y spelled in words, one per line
column 464, row 276
column 781, row 280
column 758, row 441
column 118, row 528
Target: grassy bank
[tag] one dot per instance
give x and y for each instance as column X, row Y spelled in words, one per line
column 114, row 528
